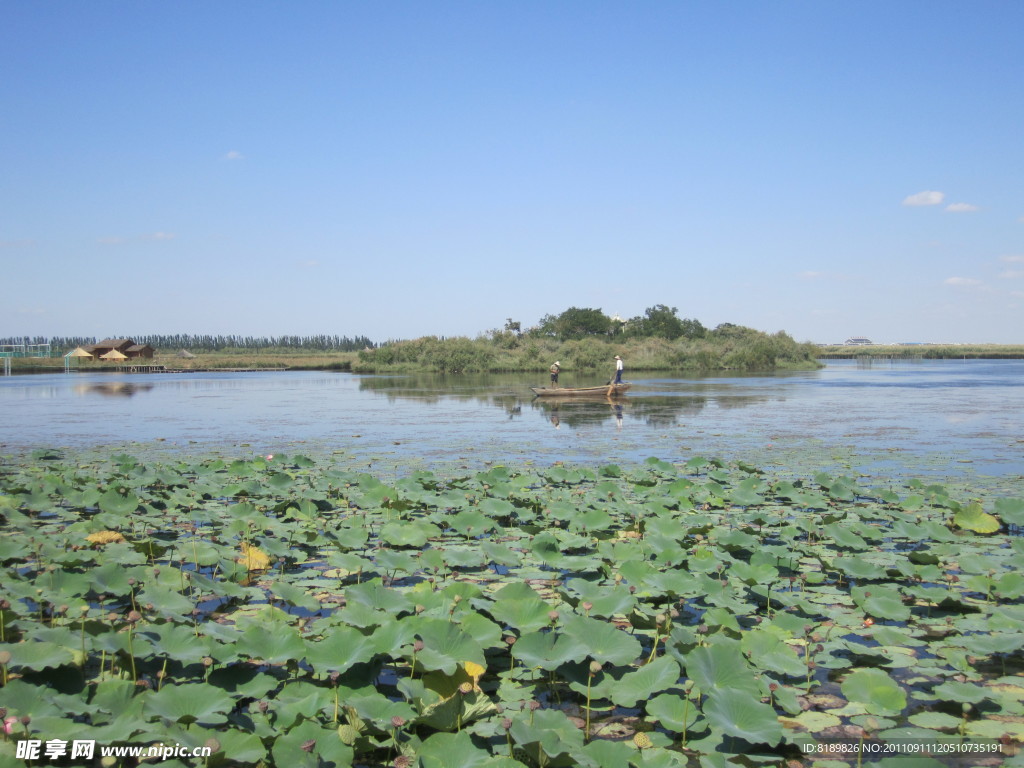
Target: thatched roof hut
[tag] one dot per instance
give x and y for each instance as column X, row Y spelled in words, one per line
column 114, row 355
column 78, row 352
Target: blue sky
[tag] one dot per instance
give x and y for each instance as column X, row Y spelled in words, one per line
column 398, row 169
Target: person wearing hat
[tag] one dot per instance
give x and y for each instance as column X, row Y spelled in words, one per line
column 554, row 373
column 618, row 370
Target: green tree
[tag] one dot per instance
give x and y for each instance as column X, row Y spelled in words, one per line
column 576, row 323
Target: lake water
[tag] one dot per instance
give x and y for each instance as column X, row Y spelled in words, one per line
column 931, row 417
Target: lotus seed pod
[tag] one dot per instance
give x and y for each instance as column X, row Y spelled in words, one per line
column 534, row 704
column 642, row 740
column 660, row 619
column 207, row 661
column 143, row 683
column 134, row 616
column 402, row 761
column 466, row 688
column 510, row 640
column 347, row 734
column 773, row 687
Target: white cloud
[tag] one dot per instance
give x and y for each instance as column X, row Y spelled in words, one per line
column 1013, row 258
column 161, row 236
column 961, row 208
column 309, row 263
column 1012, row 274
column 928, row 197
column 965, row 282
column 16, row 243
column 234, row 154
column 113, row 240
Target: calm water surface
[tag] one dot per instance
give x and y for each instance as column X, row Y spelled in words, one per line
column 952, row 417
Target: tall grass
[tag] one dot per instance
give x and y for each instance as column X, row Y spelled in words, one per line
column 927, row 351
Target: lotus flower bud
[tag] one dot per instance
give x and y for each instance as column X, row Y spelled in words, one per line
column 397, row 721
column 595, row 667
column 553, row 616
column 142, row 683
column 534, row 705
column 263, row 706
column 134, row 616
column 587, row 606
column 417, row 646
column 5, row 657
column 506, row 723
column 213, row 745
column 307, row 746
column 402, row 761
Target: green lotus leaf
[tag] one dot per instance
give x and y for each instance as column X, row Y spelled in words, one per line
column 378, row 709
column 526, row 615
column 955, row 691
column 843, row 537
column 408, row 534
column 602, row 641
column 374, row 594
column 195, row 703
column 737, row 713
column 881, row 602
column 457, row 750
column 547, row 732
column 1010, row 511
column 341, row 648
column 721, row 666
column 117, row 503
column 294, row 595
column 547, row 650
column 37, row 655
column 659, row 675
column 271, row 645
column 876, row 691
column 673, row 712
column 973, row 518
column 604, row 600
column 768, row 651
column 935, row 720
column 445, row 646
column 310, row 745
column 176, row 641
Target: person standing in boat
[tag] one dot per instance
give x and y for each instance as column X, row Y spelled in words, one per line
column 554, row 373
column 618, row 370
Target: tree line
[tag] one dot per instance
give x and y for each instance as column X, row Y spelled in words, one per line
column 660, row 321
column 211, row 343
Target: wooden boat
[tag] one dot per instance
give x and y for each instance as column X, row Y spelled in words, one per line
column 606, row 390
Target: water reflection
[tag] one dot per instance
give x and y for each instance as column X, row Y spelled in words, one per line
column 649, row 402
column 113, row 389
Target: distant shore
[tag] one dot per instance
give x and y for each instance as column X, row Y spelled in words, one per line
column 637, row 359
column 924, row 351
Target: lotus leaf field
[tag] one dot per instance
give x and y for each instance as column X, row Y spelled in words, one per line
column 290, row 611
